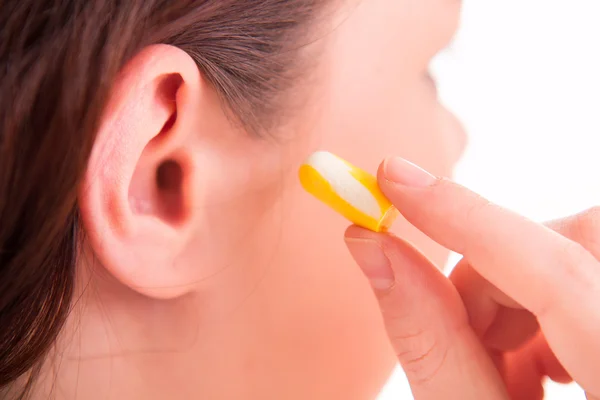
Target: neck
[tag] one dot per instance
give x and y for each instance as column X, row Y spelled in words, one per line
column 259, row 328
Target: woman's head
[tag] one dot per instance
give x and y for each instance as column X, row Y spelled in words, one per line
column 147, row 175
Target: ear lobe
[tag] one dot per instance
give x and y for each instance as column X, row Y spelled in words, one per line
column 138, row 199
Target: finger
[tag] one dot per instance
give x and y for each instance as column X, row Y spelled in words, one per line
column 500, row 323
column 425, row 321
column 524, row 369
column 495, row 317
column 529, row 262
column 502, row 326
column 506, row 329
column 550, row 275
column 523, row 378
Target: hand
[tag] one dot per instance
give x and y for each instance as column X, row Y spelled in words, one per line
column 523, row 303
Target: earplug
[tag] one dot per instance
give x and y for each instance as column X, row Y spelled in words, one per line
column 347, row 189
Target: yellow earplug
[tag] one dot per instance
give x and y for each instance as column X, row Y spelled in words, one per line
column 347, row 189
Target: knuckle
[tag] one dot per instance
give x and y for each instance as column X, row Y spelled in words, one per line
column 421, row 355
column 476, row 209
column 480, row 208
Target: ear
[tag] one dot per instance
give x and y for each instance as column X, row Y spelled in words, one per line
column 139, row 198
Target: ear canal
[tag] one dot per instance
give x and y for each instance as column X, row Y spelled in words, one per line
column 169, row 184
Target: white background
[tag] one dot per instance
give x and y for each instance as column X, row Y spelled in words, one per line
column 524, row 77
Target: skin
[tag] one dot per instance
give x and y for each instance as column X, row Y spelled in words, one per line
column 232, row 282
column 519, row 307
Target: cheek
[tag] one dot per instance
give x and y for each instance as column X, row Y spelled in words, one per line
column 404, row 120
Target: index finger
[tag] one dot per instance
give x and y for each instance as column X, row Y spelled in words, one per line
column 529, row 262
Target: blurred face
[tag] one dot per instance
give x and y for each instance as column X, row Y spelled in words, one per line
column 376, row 98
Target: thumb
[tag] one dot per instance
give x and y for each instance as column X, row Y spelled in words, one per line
column 425, row 321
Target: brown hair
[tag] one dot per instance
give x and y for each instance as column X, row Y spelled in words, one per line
column 58, row 61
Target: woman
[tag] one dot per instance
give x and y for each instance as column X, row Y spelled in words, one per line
column 155, row 241
column 155, row 244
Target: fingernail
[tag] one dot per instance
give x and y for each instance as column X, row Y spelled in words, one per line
column 370, row 257
column 398, row 170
